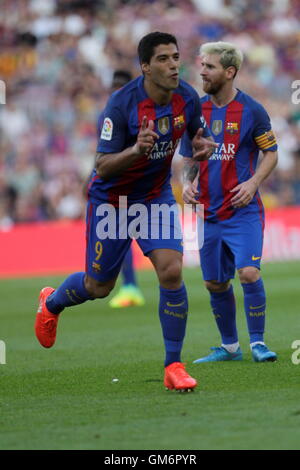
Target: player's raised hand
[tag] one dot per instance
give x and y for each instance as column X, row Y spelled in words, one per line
column 203, row 147
column 244, row 193
column 146, row 137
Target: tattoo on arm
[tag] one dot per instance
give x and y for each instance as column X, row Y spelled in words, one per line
column 190, row 170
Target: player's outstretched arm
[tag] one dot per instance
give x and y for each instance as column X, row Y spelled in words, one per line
column 109, row 165
column 244, row 192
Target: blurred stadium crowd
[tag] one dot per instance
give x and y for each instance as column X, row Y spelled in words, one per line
column 57, row 58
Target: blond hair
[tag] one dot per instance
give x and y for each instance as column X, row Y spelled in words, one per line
column 230, row 55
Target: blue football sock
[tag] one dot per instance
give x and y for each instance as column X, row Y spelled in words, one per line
column 128, row 269
column 173, row 310
column 71, row 292
column 224, row 310
column 255, row 306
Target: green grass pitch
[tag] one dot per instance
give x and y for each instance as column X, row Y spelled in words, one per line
column 65, row 397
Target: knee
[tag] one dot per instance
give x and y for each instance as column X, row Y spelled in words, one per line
column 98, row 290
column 170, row 274
column 249, row 274
column 217, row 287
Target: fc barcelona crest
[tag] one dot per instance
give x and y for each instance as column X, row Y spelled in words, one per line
column 179, row 122
column 232, row 127
column 217, row 126
column 270, row 136
column 163, row 125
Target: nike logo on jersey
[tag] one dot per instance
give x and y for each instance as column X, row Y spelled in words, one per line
column 254, row 258
column 175, row 305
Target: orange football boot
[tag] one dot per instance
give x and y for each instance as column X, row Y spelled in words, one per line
column 45, row 322
column 176, row 377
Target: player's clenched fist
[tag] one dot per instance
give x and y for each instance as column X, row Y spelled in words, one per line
column 190, row 193
column 146, row 138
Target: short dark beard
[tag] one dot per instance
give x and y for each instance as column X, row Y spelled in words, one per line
column 214, row 89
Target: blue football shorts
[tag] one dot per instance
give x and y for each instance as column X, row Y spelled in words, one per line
column 109, row 233
column 231, row 244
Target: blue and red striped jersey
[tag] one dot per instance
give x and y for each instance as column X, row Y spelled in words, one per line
column 149, row 177
column 242, row 128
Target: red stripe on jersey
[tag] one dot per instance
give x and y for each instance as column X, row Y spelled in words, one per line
column 137, row 170
column 203, row 174
column 178, row 108
column 229, row 178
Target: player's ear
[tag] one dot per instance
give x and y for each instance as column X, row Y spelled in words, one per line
column 231, row 72
column 145, row 68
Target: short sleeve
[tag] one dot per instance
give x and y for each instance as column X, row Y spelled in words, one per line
column 114, row 128
column 262, row 132
column 100, row 124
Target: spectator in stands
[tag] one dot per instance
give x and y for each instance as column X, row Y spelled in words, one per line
column 57, row 61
